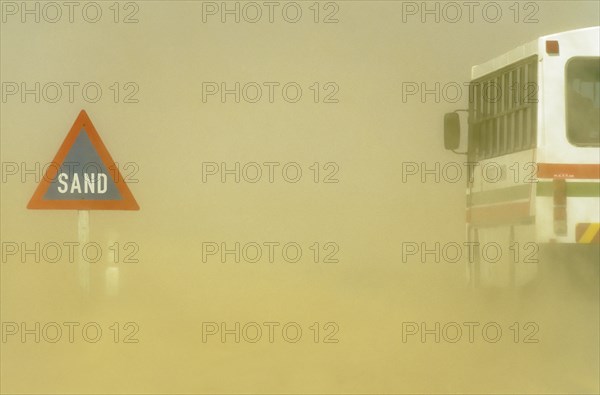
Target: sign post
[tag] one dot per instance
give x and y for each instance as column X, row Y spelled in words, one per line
column 83, row 264
column 83, row 176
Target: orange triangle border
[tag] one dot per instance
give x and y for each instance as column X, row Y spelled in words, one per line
column 127, row 202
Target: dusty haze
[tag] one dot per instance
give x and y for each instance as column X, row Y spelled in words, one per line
column 368, row 135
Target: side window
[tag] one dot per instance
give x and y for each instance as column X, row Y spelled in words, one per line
column 582, row 100
column 503, row 110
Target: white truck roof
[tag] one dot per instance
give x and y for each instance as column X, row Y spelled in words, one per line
column 524, row 51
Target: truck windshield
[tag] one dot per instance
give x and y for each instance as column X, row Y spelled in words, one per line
column 583, row 101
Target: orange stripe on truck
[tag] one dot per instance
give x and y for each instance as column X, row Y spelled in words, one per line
column 568, row 170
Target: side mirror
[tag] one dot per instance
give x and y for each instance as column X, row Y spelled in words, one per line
column 451, row 131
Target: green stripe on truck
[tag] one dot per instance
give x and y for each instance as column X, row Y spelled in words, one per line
column 574, row 189
column 543, row 189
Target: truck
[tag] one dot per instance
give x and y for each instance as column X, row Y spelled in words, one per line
column 533, row 155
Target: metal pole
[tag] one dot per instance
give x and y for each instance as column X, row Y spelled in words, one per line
column 111, row 274
column 84, row 237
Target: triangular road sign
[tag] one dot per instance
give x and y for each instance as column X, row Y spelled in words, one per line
column 83, row 175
